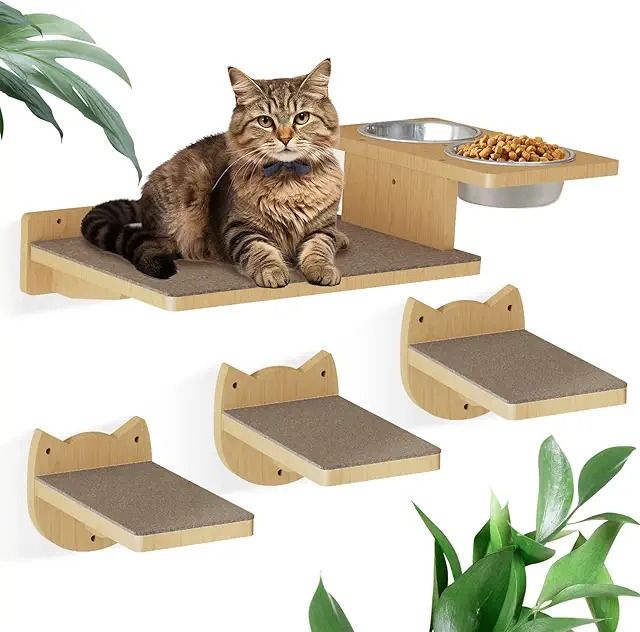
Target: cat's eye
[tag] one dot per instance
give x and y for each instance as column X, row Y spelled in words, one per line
column 265, row 121
column 302, row 118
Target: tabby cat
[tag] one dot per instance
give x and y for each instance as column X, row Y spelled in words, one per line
column 262, row 195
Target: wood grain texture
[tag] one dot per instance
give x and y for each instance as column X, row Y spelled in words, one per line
column 103, row 275
column 431, row 159
column 74, row 524
column 266, row 460
column 556, row 382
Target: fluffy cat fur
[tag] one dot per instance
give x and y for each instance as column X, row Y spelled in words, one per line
column 213, row 200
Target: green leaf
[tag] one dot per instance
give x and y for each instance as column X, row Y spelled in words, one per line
column 46, row 24
column 445, row 544
column 532, row 552
column 481, row 542
column 512, row 604
column 66, row 85
column 584, row 591
column 16, row 88
column 325, row 613
column 556, row 536
column 499, row 527
column 548, row 624
column 582, row 564
column 59, row 49
column 9, row 15
column 599, row 470
column 440, row 577
column 605, row 609
column 611, row 517
column 473, row 602
column 555, row 490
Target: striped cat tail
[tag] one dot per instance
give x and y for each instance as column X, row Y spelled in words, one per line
column 115, row 227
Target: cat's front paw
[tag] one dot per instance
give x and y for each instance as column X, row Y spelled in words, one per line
column 322, row 275
column 271, row 276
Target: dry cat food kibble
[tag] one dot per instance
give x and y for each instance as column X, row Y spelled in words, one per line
column 508, row 148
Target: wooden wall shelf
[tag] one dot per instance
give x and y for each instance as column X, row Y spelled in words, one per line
column 468, row 358
column 410, row 189
column 281, row 424
column 96, row 489
column 55, row 258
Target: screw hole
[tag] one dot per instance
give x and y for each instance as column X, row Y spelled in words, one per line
column 47, row 451
column 59, row 220
column 421, row 319
column 323, row 373
column 466, row 406
column 393, row 180
column 279, row 472
column 234, row 385
column 136, row 439
column 93, row 538
column 509, row 308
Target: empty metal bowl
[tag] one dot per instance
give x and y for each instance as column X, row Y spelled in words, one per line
column 525, row 196
column 428, row 130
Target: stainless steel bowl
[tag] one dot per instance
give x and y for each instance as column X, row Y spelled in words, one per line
column 525, row 196
column 428, row 130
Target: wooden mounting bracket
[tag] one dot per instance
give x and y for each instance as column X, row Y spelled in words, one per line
column 95, row 489
column 281, row 424
column 467, row 358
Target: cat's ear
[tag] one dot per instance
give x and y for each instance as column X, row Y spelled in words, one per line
column 244, row 87
column 316, row 83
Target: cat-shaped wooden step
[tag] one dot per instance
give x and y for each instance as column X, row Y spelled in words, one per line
column 281, row 424
column 467, row 358
column 95, row 489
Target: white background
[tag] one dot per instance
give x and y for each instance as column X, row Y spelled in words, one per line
column 559, row 69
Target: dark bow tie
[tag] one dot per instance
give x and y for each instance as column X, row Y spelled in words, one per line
column 295, row 166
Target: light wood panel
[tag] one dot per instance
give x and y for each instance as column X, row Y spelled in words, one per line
column 235, row 389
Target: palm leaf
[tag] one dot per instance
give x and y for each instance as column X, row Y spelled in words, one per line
column 16, row 88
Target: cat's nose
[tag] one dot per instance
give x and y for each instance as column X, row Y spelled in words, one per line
column 285, row 134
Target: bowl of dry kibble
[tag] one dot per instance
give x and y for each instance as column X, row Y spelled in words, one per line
column 507, row 150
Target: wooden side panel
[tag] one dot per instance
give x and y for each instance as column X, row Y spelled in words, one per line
column 129, row 444
column 315, row 378
column 400, row 201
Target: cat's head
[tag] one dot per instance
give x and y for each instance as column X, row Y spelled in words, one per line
column 283, row 119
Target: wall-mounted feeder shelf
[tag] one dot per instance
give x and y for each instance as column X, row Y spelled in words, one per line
column 281, row 424
column 468, row 358
column 94, row 489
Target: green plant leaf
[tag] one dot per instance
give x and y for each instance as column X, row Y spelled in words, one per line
column 584, row 591
column 512, row 604
column 481, row 542
column 499, row 527
column 532, row 552
column 556, row 536
column 473, row 602
column 325, row 613
column 9, row 15
column 16, row 88
column 66, row 85
column 549, row 624
column 59, row 49
column 605, row 609
column 582, row 564
column 555, row 490
column 611, row 517
column 599, row 470
column 445, row 544
column 440, row 577
column 45, row 24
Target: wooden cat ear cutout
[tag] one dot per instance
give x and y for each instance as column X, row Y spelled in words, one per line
column 128, row 444
column 281, row 424
column 468, row 358
column 95, row 489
